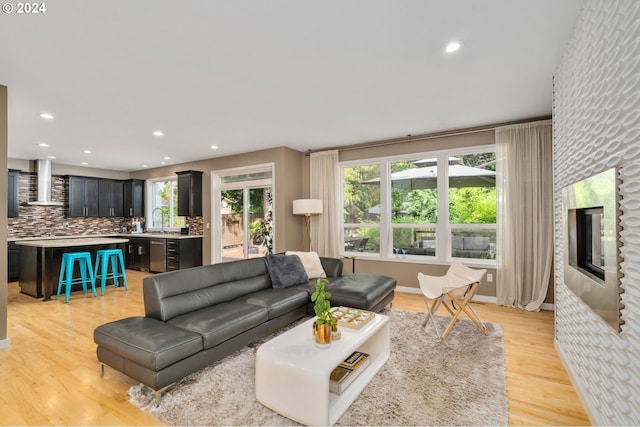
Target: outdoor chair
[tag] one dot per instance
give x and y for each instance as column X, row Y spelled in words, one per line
column 454, row 291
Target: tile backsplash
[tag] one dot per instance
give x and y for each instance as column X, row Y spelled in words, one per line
column 46, row 221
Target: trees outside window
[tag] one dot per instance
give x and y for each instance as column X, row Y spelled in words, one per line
column 164, row 205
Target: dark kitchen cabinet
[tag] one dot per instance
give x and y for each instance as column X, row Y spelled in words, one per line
column 184, row 253
column 134, row 198
column 12, row 196
column 137, row 252
column 110, row 198
column 13, row 262
column 190, row 193
column 82, row 196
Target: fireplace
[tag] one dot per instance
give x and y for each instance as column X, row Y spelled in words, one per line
column 592, row 243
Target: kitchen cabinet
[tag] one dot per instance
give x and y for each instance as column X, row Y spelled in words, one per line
column 82, row 196
column 189, row 193
column 184, row 253
column 137, row 252
column 110, row 198
column 134, row 198
column 13, row 262
column 13, row 179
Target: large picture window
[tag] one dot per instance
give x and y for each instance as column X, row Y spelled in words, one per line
column 435, row 206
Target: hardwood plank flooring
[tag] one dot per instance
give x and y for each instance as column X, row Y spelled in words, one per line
column 50, row 374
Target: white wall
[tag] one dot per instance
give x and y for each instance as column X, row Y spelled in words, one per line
column 597, row 126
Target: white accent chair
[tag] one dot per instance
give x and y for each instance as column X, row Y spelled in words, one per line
column 456, row 288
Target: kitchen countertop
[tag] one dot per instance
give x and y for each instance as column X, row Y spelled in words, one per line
column 162, row 236
column 121, row 235
column 67, row 242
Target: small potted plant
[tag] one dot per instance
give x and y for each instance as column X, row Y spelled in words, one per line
column 322, row 308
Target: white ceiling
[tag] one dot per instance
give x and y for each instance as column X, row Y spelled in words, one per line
column 254, row 74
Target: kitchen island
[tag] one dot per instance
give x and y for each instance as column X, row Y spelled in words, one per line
column 40, row 261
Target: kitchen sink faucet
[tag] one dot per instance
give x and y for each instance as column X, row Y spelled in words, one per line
column 153, row 215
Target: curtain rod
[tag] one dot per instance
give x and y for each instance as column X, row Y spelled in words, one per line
column 426, row 137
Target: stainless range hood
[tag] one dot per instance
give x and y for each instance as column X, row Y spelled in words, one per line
column 44, row 185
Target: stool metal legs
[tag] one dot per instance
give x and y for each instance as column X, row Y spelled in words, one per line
column 66, row 273
column 115, row 258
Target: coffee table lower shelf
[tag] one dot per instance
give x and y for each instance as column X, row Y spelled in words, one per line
column 292, row 373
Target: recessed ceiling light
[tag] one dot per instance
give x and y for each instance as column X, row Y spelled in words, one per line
column 453, row 46
column 158, row 133
column 84, row 163
column 46, row 116
column 214, row 147
column 51, row 157
column 86, row 151
column 145, row 166
column 167, row 158
column 43, row 144
column 163, row 163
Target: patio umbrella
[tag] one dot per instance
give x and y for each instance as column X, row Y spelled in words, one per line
column 425, row 177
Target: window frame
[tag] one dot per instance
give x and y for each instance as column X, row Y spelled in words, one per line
column 442, row 228
column 150, row 204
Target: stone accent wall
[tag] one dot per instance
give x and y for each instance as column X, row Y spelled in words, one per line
column 596, row 125
column 46, row 221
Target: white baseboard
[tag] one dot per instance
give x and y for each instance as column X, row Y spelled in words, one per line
column 5, row 343
column 477, row 298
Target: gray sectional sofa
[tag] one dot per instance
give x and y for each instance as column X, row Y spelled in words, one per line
column 197, row 316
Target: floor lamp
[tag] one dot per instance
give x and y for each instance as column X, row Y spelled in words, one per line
column 307, row 207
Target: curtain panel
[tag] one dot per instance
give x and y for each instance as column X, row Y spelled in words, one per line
column 324, row 181
column 525, row 214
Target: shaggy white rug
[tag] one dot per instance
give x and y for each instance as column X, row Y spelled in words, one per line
column 460, row 381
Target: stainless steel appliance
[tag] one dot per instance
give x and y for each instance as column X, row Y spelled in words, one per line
column 158, row 254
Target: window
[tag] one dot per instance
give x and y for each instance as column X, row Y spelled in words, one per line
column 362, row 208
column 414, row 206
column 435, row 206
column 472, row 205
column 163, row 205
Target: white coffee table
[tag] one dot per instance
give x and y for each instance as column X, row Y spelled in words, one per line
column 292, row 373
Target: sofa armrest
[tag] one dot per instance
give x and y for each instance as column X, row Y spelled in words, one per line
column 332, row 266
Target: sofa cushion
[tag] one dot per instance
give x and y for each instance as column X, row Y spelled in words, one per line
column 148, row 342
column 311, row 263
column 286, row 270
column 167, row 295
column 277, row 301
column 221, row 322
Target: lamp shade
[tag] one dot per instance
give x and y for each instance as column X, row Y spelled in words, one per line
column 307, row 206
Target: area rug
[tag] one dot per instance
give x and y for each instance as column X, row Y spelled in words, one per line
column 460, row 381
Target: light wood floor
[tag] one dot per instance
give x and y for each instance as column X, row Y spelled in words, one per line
column 50, row 374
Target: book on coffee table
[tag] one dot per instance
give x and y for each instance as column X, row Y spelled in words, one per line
column 345, row 373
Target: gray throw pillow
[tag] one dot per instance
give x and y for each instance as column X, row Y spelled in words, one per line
column 286, row 270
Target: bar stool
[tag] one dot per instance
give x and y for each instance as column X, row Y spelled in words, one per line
column 66, row 273
column 104, row 257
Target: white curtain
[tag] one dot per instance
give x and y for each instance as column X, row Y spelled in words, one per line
column 324, row 186
column 525, row 214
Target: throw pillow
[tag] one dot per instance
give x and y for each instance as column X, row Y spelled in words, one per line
column 311, row 263
column 286, row 270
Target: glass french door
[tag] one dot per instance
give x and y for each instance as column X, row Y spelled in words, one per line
column 245, row 227
column 244, row 223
